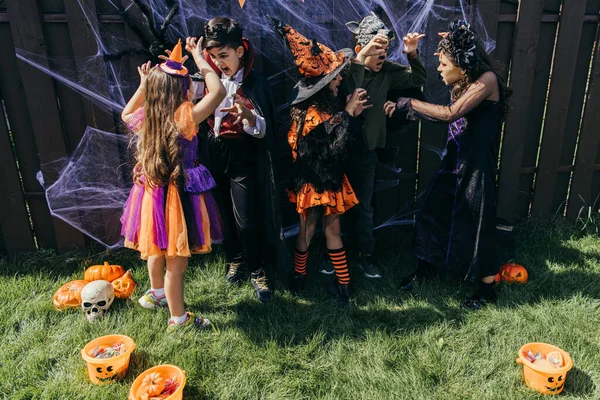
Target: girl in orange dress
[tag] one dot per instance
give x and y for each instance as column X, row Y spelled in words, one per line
column 170, row 213
column 320, row 137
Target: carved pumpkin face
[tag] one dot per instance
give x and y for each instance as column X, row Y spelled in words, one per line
column 104, row 272
column 512, row 272
column 555, row 384
column 107, row 373
column 124, row 286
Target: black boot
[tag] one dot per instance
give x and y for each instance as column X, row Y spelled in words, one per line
column 298, row 282
column 424, row 270
column 343, row 294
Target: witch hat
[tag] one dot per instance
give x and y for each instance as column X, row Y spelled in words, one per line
column 317, row 63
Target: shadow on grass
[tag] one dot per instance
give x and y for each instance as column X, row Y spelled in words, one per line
column 579, row 383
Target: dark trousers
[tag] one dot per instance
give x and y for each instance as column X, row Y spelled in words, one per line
column 361, row 174
column 232, row 164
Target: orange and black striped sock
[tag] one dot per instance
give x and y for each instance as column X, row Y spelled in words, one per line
column 338, row 259
column 300, row 259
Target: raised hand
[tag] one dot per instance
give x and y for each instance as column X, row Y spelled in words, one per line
column 144, row 70
column 411, row 42
column 389, row 107
column 195, row 48
column 356, row 102
column 163, row 57
column 239, row 110
column 376, row 47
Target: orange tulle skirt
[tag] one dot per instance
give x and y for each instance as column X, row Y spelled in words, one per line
column 333, row 202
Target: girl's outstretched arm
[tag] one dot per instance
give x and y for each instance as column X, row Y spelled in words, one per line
column 216, row 92
column 137, row 99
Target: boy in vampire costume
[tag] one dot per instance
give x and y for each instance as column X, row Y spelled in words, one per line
column 240, row 152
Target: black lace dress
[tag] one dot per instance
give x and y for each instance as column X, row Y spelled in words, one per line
column 455, row 225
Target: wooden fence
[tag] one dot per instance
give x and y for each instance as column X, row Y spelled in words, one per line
column 550, row 153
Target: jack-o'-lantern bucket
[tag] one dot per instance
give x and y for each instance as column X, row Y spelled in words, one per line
column 107, row 358
column 542, row 375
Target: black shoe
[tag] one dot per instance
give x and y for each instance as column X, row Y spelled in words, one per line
column 261, row 286
column 298, row 282
column 408, row 281
column 235, row 272
column 424, row 270
column 477, row 301
column 366, row 263
column 343, row 295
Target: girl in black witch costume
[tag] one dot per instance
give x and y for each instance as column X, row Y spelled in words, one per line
column 320, row 135
column 455, row 227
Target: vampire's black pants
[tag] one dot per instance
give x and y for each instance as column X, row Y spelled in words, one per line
column 232, row 164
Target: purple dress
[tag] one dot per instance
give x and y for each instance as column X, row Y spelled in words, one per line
column 172, row 220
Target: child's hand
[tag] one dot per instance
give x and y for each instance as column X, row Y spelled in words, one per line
column 355, row 102
column 163, row 57
column 376, row 47
column 194, row 48
column 389, row 107
column 239, row 110
column 144, row 70
column 411, row 42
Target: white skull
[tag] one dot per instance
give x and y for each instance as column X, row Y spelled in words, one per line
column 96, row 298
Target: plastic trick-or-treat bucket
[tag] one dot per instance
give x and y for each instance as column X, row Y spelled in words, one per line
column 545, row 379
column 107, row 370
column 166, row 371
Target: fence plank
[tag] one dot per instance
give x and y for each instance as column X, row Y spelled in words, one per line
column 567, row 45
column 532, row 131
column 84, row 46
column 27, row 35
column 11, row 90
column 588, row 149
column 522, row 74
column 14, row 221
column 489, row 10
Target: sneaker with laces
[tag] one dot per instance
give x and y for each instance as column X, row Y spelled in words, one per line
column 261, row 286
column 190, row 321
column 235, row 272
column 366, row 263
column 150, row 301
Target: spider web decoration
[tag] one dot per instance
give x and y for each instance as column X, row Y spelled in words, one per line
column 157, row 25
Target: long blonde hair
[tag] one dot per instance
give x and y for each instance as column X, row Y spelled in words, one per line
column 157, row 152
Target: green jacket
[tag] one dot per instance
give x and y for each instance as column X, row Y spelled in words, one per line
column 378, row 84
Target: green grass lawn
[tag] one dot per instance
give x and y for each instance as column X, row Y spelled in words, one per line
column 386, row 345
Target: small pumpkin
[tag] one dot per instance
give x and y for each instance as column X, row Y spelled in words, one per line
column 152, row 385
column 104, row 272
column 124, row 286
column 511, row 273
column 69, row 295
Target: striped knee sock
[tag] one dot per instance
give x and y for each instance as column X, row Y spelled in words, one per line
column 300, row 259
column 338, row 259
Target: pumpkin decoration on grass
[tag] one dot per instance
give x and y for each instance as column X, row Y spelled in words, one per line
column 512, row 273
column 124, row 286
column 104, row 272
column 69, row 295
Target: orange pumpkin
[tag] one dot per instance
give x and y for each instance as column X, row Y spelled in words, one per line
column 105, row 272
column 152, row 385
column 124, row 286
column 512, row 272
column 69, row 295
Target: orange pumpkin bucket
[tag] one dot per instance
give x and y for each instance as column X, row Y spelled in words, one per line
column 541, row 375
column 157, row 380
column 107, row 370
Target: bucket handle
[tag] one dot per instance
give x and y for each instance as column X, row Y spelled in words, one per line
column 519, row 361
